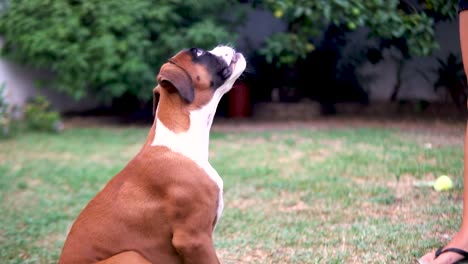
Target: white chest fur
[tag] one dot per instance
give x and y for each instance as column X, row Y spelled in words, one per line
column 193, row 144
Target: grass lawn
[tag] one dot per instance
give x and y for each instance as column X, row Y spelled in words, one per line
column 342, row 194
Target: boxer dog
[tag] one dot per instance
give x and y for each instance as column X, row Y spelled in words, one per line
column 164, row 204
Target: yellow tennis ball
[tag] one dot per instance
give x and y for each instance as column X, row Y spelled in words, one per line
column 278, row 13
column 443, row 183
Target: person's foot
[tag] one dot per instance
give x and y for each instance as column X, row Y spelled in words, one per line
column 459, row 242
column 445, row 258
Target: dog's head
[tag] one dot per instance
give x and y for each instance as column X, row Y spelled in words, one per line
column 195, row 77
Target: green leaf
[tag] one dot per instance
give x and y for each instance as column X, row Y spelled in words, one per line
column 108, row 48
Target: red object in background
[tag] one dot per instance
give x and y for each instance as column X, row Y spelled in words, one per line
column 239, row 104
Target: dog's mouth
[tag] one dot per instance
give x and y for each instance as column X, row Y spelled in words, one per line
column 235, row 58
column 229, row 70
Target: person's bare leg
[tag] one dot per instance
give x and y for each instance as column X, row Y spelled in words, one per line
column 460, row 240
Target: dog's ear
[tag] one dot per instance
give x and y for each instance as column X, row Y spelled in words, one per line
column 172, row 75
column 155, row 99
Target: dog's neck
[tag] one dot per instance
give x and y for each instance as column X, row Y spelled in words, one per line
column 171, row 132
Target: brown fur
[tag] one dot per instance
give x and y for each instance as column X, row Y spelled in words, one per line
column 161, row 208
column 200, row 83
column 148, row 209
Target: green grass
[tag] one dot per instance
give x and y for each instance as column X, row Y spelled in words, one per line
column 336, row 195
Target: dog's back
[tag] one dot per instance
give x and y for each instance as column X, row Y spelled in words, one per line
column 165, row 201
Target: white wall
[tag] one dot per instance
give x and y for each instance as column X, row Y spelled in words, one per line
column 23, row 83
column 259, row 25
column 415, row 86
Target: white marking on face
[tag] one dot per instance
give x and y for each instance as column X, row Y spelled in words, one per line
column 227, row 54
column 195, row 141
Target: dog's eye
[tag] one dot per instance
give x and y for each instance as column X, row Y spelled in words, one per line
column 198, row 52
